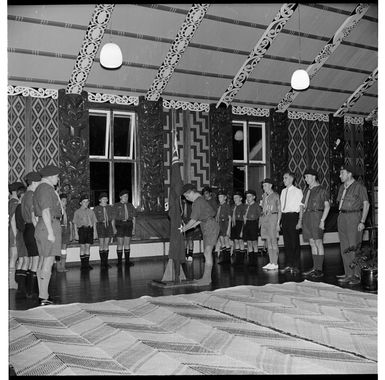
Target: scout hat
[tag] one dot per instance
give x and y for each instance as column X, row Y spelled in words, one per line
column 239, row 193
column 14, row 186
column 124, row 191
column 102, row 195
column 83, row 197
column 251, row 192
column 267, row 180
column 33, row 177
column 49, row 170
column 187, row 187
column 311, row 172
column 348, row 168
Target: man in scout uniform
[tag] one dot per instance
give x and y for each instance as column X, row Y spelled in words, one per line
column 47, row 207
column 237, row 213
column 315, row 207
column 291, row 197
column 250, row 227
column 123, row 226
column 269, row 222
column 33, row 180
column 12, row 204
column 203, row 214
column 353, row 205
column 104, row 216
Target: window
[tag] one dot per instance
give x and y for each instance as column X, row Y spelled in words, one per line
column 249, row 155
column 113, row 165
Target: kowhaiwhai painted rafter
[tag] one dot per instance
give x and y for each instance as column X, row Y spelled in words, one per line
column 352, row 99
column 258, row 52
column 342, row 32
column 92, row 39
column 186, row 32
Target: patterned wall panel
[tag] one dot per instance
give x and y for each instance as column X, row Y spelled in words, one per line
column 199, row 148
column 45, row 133
column 354, row 148
column 319, row 150
column 16, row 138
column 298, row 149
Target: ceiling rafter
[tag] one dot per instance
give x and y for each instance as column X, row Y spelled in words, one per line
column 90, row 46
column 373, row 114
column 258, row 52
column 182, row 39
column 343, row 31
column 361, row 89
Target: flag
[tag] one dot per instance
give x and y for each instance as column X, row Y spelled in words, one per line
column 177, row 244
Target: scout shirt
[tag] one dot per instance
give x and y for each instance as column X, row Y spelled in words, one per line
column 44, row 197
column 119, row 212
column 315, row 200
column 354, row 198
column 27, row 206
column 84, row 217
column 104, row 213
column 223, row 213
column 238, row 212
column 12, row 204
column 270, row 203
column 201, row 210
column 252, row 211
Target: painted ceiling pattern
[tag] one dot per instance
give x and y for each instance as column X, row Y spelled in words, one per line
column 194, row 55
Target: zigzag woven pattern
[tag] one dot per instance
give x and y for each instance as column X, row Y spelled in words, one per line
column 290, row 328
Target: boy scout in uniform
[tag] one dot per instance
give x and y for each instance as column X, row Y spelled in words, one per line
column 33, row 180
column 315, row 207
column 123, row 226
column 353, row 205
column 223, row 218
column 47, row 207
column 237, row 213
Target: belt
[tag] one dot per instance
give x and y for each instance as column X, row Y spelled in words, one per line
column 290, row 212
column 314, row 210
column 348, row 211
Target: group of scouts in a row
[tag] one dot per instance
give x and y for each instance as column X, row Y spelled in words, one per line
column 289, row 212
column 35, row 233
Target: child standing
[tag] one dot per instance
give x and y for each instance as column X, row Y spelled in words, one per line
column 238, row 212
column 104, row 216
column 223, row 218
column 85, row 231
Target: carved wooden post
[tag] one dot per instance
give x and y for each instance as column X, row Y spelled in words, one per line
column 73, row 147
column 221, row 148
column 279, row 146
column 151, row 153
column 336, row 154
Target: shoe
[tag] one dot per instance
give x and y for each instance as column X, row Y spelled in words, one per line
column 341, row 275
column 189, row 258
column 308, row 272
column 354, row 281
column 294, row 271
column 344, row 280
column 284, row 270
column 273, row 267
column 267, row 266
column 45, row 302
column 316, row 274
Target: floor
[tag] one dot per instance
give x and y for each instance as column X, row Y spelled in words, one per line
column 132, row 282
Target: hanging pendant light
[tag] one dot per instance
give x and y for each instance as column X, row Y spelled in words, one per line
column 300, row 80
column 111, row 56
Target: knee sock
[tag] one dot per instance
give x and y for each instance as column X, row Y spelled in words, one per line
column 45, row 277
column 318, row 261
column 12, row 282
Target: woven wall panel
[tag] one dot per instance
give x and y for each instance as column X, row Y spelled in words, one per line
column 16, row 138
column 45, row 133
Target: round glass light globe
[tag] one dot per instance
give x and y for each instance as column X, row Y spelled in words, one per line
column 111, row 56
column 300, row 80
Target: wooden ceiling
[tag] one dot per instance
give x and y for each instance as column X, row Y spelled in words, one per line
column 44, row 42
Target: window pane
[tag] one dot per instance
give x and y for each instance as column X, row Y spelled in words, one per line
column 239, row 178
column 238, row 151
column 255, row 143
column 255, row 177
column 122, row 136
column 123, row 179
column 99, row 180
column 98, row 135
